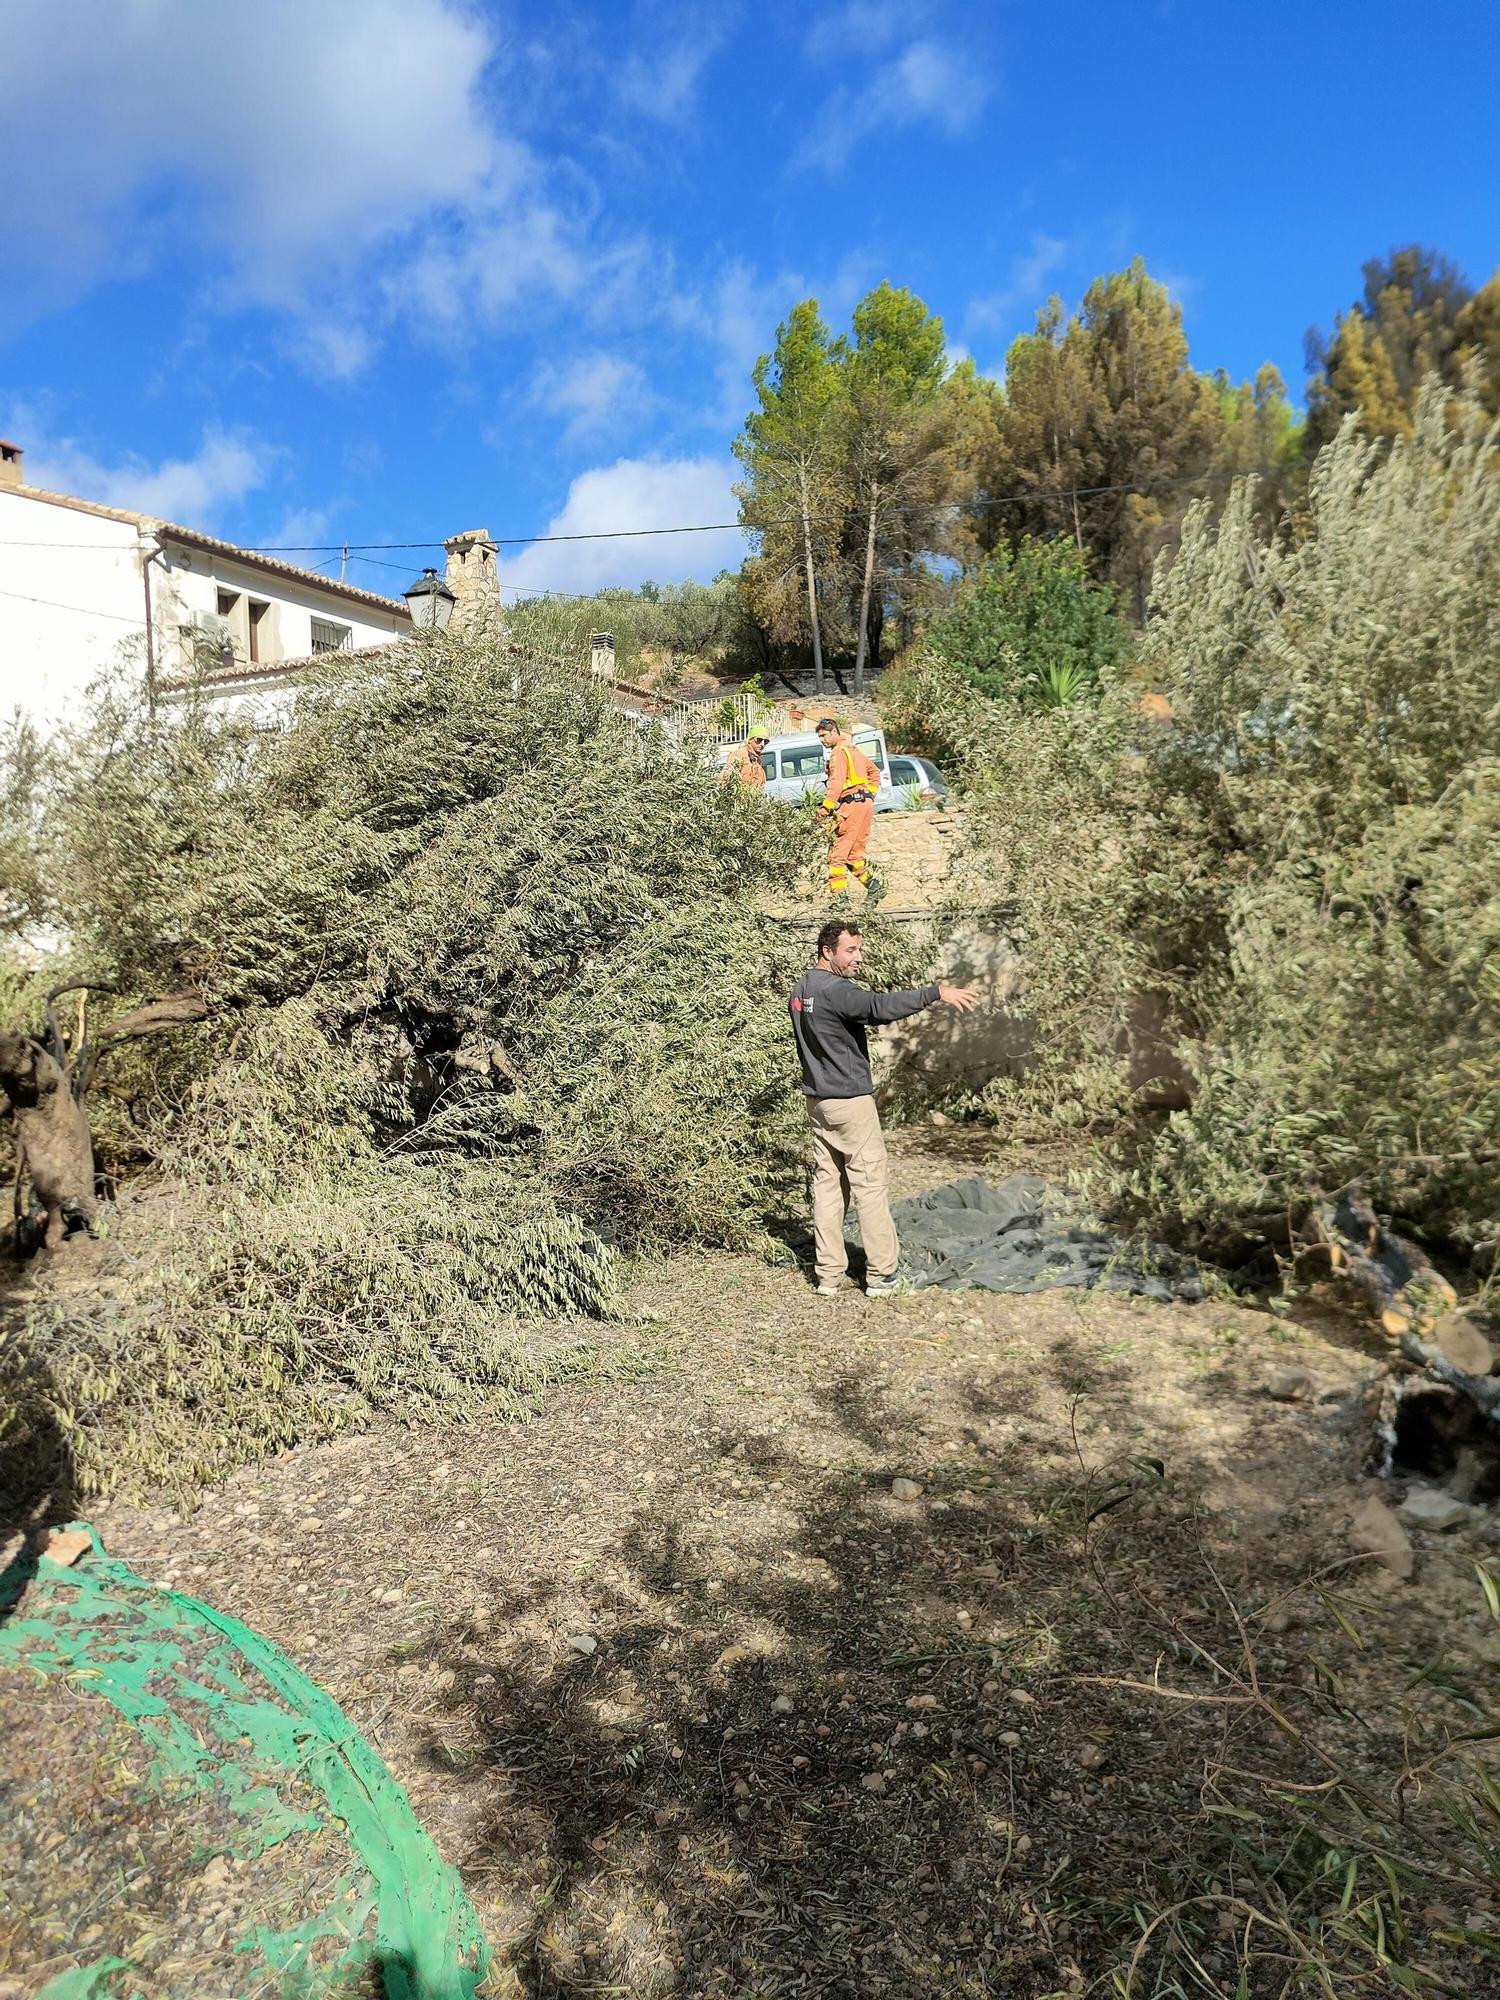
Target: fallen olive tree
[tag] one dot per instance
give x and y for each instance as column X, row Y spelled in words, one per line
column 466, row 991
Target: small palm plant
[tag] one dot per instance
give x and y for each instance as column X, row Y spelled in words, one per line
column 1063, row 682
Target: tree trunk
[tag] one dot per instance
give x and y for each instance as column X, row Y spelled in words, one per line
column 52, row 1132
column 812, row 588
column 864, row 593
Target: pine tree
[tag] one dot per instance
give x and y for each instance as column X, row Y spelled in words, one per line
column 1103, row 426
column 1479, row 342
column 1417, row 316
column 788, row 449
column 1259, row 433
column 901, row 474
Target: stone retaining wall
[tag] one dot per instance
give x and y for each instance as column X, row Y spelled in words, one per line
column 914, row 856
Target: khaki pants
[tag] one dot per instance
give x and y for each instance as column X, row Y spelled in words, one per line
column 848, row 1159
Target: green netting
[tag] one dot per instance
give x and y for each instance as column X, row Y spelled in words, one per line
column 240, row 1722
column 89, row 1982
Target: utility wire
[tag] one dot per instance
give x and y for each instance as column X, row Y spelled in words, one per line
column 1021, row 499
column 84, row 610
column 786, row 520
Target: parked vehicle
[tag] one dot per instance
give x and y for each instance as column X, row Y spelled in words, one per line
column 911, row 784
column 796, row 766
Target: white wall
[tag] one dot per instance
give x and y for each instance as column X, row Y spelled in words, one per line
column 70, row 593
column 189, row 580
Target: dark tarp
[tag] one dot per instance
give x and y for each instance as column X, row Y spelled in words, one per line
column 1025, row 1235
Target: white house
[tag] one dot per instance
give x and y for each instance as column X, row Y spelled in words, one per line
column 77, row 579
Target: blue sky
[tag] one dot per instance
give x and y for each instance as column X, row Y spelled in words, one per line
column 319, row 271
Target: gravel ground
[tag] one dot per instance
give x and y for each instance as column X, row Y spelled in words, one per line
column 703, row 1698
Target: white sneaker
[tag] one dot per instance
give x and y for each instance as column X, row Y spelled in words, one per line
column 830, row 1291
column 882, row 1288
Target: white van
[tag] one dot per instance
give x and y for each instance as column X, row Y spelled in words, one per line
column 796, row 767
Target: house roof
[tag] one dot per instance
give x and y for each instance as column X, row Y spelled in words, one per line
column 194, row 538
column 242, row 678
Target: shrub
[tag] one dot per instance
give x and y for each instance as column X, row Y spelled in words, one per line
column 431, row 916
column 1294, row 869
column 671, row 622
column 1031, row 627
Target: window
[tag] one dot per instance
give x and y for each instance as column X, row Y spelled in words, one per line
column 872, row 747
column 802, row 763
column 905, row 772
column 327, row 637
column 228, row 599
column 768, row 762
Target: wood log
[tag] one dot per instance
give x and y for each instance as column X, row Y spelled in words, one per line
column 155, row 1017
column 1400, row 1282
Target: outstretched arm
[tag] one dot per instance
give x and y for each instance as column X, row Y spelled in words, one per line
column 858, row 1003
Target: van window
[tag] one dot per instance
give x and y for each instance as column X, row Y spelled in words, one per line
column 802, row 763
column 904, row 772
column 768, row 762
column 872, row 746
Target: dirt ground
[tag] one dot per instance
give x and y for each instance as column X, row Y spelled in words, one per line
column 702, row 1702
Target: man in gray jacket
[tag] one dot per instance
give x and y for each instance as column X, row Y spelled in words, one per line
column 829, row 1016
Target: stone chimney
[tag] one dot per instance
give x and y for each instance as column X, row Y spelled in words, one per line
column 474, row 577
column 10, row 464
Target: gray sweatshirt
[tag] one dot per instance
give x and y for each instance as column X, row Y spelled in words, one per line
column 829, row 1015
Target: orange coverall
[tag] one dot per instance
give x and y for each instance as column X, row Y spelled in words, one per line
column 745, row 765
column 853, row 781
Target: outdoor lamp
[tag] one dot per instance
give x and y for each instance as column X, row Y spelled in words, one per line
column 430, row 602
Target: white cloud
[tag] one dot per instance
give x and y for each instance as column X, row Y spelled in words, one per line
column 929, row 81
column 1182, row 287
column 1025, row 289
column 292, row 137
column 338, row 161
column 865, row 25
column 634, row 493
column 593, row 393
column 512, row 257
column 335, row 351
column 227, row 465
column 304, row 528
column 673, row 46
column 737, row 314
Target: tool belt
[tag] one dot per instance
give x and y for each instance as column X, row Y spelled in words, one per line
column 854, row 798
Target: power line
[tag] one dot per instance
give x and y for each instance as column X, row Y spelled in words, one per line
column 786, row 520
column 514, row 595
column 83, row 610
column 1021, row 499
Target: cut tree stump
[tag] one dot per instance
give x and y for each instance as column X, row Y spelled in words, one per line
column 52, row 1131
column 1399, row 1281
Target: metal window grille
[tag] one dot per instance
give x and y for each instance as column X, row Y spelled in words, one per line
column 330, row 638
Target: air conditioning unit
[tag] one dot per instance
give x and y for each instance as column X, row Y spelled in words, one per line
column 209, row 638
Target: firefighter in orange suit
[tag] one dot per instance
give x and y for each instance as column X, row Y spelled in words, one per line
column 745, row 765
column 853, row 781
